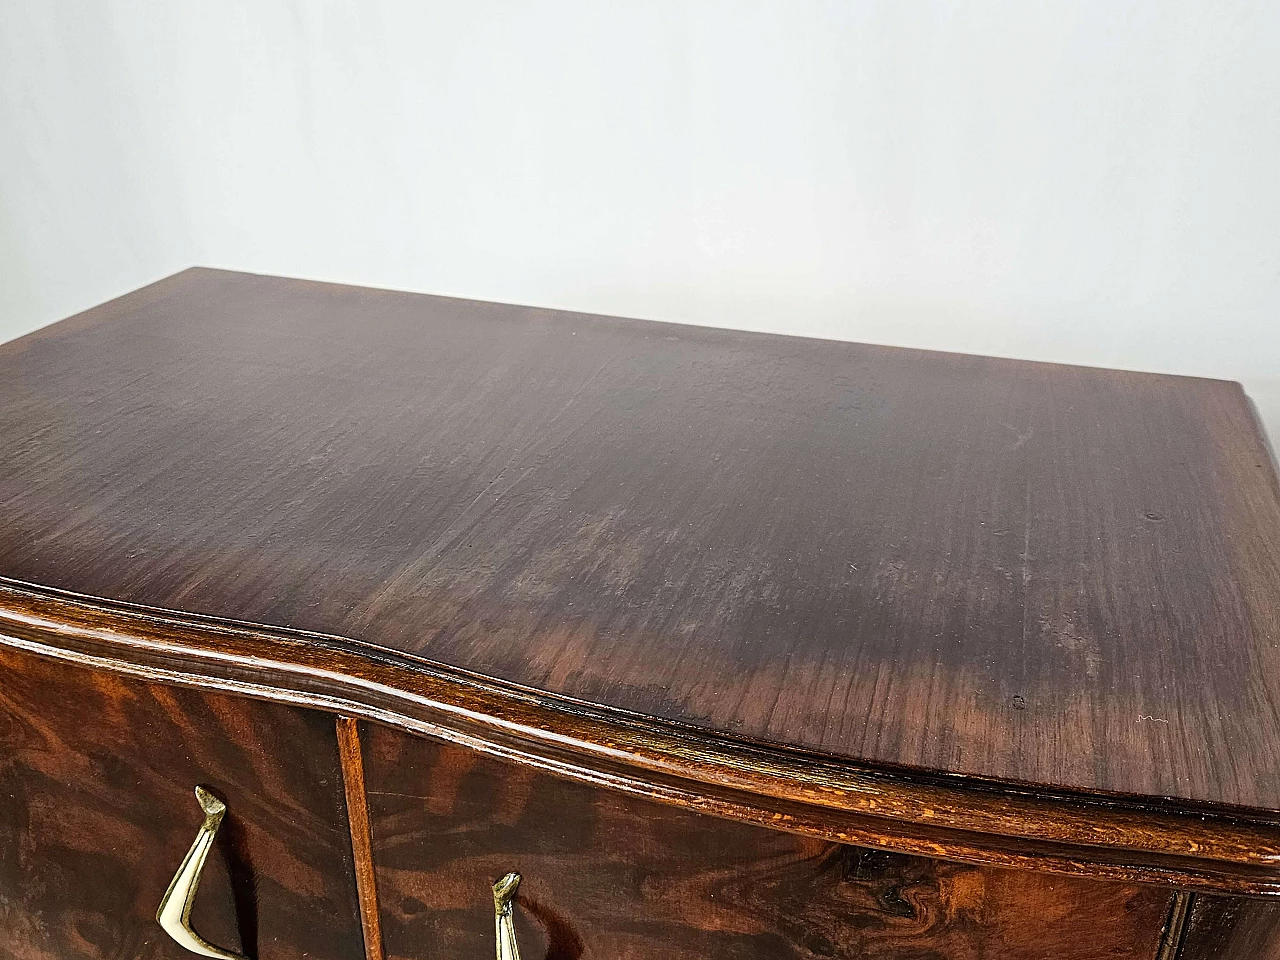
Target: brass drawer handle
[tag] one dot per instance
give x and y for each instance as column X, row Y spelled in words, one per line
column 174, row 913
column 504, row 893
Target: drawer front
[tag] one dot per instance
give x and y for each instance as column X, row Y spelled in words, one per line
column 1231, row 928
column 97, row 810
column 611, row 876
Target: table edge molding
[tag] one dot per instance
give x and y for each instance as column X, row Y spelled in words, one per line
column 1191, row 846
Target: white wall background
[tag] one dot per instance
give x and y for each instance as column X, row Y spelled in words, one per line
column 1094, row 181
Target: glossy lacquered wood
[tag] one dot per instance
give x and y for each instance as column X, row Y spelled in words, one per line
column 607, row 875
column 935, row 816
column 1226, row 928
column 97, row 810
column 1044, row 575
column 351, row 756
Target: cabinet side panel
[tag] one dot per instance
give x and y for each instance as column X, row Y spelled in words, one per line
column 611, row 875
column 97, row 809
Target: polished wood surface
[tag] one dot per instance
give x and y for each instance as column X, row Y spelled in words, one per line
column 97, row 809
column 608, row 875
column 350, row 755
column 1188, row 846
column 1038, row 574
column 1226, row 928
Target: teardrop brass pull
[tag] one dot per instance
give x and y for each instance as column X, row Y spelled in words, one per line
column 174, row 914
column 504, row 894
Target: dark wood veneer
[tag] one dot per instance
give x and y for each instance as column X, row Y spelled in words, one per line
column 97, row 809
column 607, row 875
column 350, row 754
column 735, row 645
column 1039, row 574
column 901, row 810
column 1228, row 928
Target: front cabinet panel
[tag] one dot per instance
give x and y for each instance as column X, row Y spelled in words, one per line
column 97, row 810
column 1232, row 928
column 615, row 877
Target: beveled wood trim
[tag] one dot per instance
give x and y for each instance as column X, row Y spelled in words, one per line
column 352, row 763
column 1175, row 928
column 950, row 817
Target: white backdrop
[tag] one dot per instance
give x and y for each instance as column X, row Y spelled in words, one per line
column 1094, row 181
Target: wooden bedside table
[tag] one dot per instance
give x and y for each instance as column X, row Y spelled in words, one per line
column 697, row 643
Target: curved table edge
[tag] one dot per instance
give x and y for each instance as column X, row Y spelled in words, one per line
column 946, row 816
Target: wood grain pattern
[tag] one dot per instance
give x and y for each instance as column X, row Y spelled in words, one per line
column 909, row 812
column 606, row 875
column 1232, row 928
column 1032, row 573
column 351, row 757
column 97, row 810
